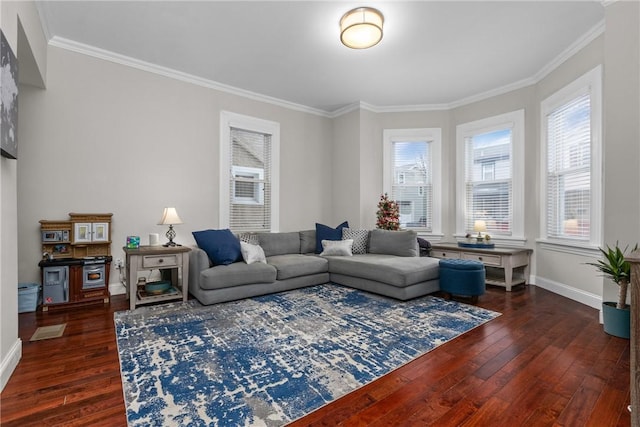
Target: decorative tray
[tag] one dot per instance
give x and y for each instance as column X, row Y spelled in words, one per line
column 476, row 245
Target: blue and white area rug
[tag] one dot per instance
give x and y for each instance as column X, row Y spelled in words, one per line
column 269, row 360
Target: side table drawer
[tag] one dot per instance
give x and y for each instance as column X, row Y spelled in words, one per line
column 161, row 261
column 445, row 254
column 484, row 258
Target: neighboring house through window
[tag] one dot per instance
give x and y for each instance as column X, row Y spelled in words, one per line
column 571, row 158
column 249, row 159
column 490, row 176
column 412, row 176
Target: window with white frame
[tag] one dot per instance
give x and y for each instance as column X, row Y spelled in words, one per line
column 490, row 175
column 249, row 151
column 571, row 158
column 411, row 176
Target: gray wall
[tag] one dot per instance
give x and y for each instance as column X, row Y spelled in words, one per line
column 621, row 127
column 21, row 26
column 111, row 138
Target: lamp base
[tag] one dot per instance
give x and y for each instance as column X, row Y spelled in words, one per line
column 171, row 234
column 171, row 244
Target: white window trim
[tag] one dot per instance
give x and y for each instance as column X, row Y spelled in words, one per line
column 434, row 135
column 230, row 120
column 515, row 121
column 590, row 82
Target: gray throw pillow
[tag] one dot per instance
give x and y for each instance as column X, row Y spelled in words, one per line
column 399, row 243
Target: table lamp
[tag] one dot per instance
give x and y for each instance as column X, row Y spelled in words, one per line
column 170, row 217
column 480, row 226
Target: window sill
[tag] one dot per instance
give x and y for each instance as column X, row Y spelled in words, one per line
column 574, row 248
column 431, row 237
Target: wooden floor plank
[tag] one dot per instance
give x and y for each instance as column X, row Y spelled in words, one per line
column 545, row 361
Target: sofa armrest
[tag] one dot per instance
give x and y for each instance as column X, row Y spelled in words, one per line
column 198, row 261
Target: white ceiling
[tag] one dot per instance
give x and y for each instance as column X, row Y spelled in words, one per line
column 434, row 53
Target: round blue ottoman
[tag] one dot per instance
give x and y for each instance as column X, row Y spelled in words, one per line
column 462, row 277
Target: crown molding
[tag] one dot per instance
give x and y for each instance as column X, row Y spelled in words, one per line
column 580, row 43
column 576, row 46
column 493, row 92
column 106, row 55
column 346, row 109
column 41, row 8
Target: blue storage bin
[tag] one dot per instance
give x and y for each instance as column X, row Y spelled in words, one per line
column 28, row 297
column 462, row 277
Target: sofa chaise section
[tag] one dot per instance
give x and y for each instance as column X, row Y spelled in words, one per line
column 398, row 277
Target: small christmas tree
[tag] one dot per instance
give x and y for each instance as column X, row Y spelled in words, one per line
column 388, row 214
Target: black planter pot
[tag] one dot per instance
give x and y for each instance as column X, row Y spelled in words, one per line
column 617, row 321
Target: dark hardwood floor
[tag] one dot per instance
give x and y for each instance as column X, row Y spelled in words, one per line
column 545, row 361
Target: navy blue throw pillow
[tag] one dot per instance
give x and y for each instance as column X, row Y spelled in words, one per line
column 324, row 232
column 221, row 246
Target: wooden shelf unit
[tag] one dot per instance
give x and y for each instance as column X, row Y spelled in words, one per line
column 60, row 249
column 173, row 260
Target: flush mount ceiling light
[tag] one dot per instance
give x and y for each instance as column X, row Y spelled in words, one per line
column 361, row 28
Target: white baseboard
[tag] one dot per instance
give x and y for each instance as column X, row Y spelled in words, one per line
column 583, row 297
column 117, row 289
column 10, row 362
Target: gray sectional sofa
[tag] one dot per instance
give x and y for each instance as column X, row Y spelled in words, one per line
column 391, row 266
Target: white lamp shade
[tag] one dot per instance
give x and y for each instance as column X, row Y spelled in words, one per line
column 170, row 217
column 479, row 225
column 361, row 28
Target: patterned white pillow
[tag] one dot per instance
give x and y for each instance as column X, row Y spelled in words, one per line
column 251, row 238
column 252, row 253
column 337, row 247
column 360, row 239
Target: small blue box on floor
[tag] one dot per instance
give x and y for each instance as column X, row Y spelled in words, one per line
column 28, row 297
column 462, row 277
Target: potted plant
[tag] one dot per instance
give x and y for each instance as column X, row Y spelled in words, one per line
column 616, row 316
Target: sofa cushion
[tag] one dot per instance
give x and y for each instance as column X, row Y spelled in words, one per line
column 307, row 241
column 324, row 232
column 236, row 274
column 399, row 243
column 280, row 243
column 360, row 239
column 252, row 253
column 337, row 247
column 394, row 270
column 296, row 265
column 222, row 246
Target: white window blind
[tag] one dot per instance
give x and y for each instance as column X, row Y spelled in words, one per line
column 488, row 174
column 568, row 174
column 250, row 181
column 412, row 185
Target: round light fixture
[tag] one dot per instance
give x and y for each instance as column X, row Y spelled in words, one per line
column 361, row 28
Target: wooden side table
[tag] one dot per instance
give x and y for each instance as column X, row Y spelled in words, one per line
column 146, row 258
column 507, row 260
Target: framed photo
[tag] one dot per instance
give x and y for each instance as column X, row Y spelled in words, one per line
column 100, row 232
column 8, row 100
column 82, row 232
